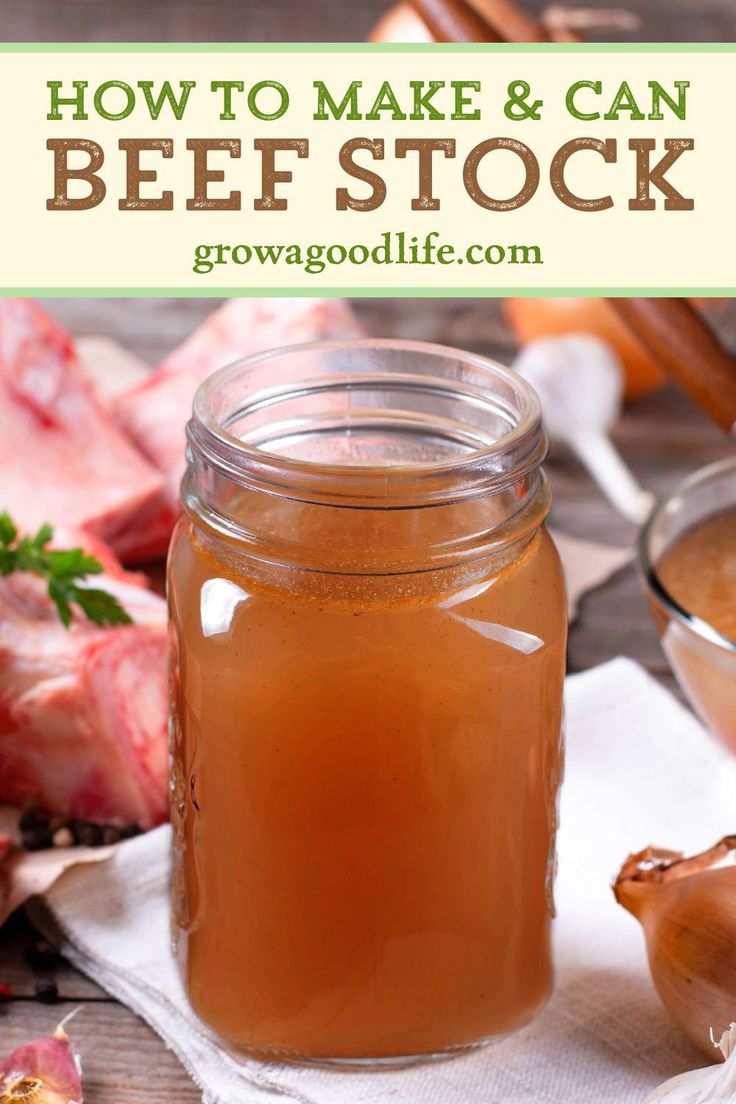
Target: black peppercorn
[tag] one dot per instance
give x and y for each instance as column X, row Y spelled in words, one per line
column 47, row 991
column 42, row 956
column 89, row 835
column 36, row 839
column 31, row 819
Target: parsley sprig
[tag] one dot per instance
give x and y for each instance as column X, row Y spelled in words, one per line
column 63, row 570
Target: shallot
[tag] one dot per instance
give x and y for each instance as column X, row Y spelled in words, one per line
column 687, row 908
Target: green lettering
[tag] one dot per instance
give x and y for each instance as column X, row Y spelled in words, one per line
column 460, row 114
column 659, row 96
column 624, row 101
column 386, row 101
column 325, row 102
column 586, row 116
column 77, row 100
column 423, row 109
column 127, row 91
column 166, row 95
column 228, row 87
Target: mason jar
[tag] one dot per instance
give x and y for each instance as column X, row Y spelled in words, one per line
column 368, row 628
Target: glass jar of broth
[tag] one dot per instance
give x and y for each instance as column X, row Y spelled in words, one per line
column 368, row 637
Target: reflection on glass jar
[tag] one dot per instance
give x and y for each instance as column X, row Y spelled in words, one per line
column 368, row 636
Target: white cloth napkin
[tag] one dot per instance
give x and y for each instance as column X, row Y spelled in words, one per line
column 587, row 565
column 640, row 770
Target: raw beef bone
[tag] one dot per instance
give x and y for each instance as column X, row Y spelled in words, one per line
column 110, row 367
column 156, row 412
column 83, row 710
column 62, row 458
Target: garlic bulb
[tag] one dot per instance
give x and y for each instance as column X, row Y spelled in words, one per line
column 687, row 908
column 714, row 1085
column 42, row 1072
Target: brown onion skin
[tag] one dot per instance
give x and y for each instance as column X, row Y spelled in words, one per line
column 690, row 930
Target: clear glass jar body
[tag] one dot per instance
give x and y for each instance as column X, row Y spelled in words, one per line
column 367, row 672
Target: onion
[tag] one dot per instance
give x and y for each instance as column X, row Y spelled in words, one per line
column 687, row 908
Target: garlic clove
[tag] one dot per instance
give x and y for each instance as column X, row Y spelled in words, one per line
column 713, row 1085
column 580, row 380
column 401, row 24
column 44, row 1071
column 687, row 909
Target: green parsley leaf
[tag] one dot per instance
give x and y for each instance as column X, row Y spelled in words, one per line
column 8, row 532
column 64, row 570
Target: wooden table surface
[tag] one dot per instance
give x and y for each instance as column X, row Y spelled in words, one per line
column 662, row 437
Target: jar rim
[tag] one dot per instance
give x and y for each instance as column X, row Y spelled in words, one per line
column 512, row 455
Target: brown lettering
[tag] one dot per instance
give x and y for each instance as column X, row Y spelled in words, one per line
column 204, row 175
column 61, row 148
column 425, row 147
column 270, row 175
column 607, row 150
column 135, row 175
column 470, row 174
column 344, row 201
column 646, row 175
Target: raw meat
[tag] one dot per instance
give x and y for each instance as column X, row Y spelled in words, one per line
column 62, row 458
column 156, row 412
column 110, row 367
column 83, row 711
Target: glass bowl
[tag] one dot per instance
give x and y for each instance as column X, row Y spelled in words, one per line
column 703, row 660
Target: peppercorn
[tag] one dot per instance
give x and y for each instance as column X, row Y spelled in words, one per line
column 32, row 818
column 47, row 991
column 88, row 834
column 63, row 837
column 111, row 833
column 42, row 956
column 36, row 839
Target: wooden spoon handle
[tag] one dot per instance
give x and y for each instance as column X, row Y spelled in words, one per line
column 485, row 21
column 688, row 350
column 509, row 21
column 454, row 21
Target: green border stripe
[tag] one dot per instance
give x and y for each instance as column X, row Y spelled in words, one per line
column 368, row 47
column 369, row 292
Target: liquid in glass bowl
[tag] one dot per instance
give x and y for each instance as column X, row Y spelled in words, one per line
column 688, row 561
